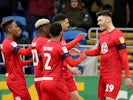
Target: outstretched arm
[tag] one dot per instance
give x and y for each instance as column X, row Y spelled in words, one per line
column 23, row 51
column 75, row 41
column 75, row 62
column 94, row 52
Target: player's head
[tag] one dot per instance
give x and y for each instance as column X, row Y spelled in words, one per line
column 42, row 27
column 6, row 24
column 56, row 30
column 104, row 18
column 10, row 27
column 20, row 26
column 63, row 20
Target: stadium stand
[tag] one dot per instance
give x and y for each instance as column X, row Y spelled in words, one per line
column 21, row 19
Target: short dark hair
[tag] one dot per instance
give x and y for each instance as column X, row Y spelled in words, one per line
column 55, row 29
column 104, row 13
column 5, row 24
column 19, row 24
column 59, row 17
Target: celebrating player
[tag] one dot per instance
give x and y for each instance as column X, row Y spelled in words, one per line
column 42, row 28
column 53, row 86
column 15, row 78
column 112, row 49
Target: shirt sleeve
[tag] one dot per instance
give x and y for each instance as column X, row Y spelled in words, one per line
column 119, row 38
column 68, row 59
column 120, row 41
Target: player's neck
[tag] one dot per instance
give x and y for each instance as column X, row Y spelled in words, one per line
column 110, row 28
column 57, row 39
column 9, row 36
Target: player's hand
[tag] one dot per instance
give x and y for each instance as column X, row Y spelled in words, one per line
column 83, row 35
column 74, row 52
column 83, row 55
column 74, row 70
column 129, row 84
column 77, row 45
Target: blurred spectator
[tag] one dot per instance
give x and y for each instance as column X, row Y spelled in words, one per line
column 78, row 15
column 120, row 13
column 93, row 6
column 107, row 7
column 6, row 8
column 39, row 9
column 22, row 39
column 22, row 8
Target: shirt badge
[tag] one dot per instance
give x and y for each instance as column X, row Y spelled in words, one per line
column 122, row 40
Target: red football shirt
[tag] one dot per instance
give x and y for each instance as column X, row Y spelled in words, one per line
column 111, row 63
column 12, row 60
column 52, row 53
column 37, row 44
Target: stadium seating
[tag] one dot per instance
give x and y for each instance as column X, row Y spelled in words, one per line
column 25, row 33
column 34, row 34
column 71, row 34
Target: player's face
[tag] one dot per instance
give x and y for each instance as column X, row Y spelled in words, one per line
column 102, row 22
column 15, row 30
column 46, row 29
column 65, row 24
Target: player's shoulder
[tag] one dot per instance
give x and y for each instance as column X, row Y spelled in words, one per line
column 9, row 43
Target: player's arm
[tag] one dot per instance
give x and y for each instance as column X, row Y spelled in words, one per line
column 23, row 51
column 94, row 52
column 75, row 41
column 121, row 46
column 73, row 62
column 26, row 62
column 124, row 58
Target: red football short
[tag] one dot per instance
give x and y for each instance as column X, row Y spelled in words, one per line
column 109, row 86
column 19, row 90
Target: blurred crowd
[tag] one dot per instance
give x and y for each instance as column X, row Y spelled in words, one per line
column 82, row 13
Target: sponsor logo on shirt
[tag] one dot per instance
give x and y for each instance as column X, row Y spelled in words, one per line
column 104, row 48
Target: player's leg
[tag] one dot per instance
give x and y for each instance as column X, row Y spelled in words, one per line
column 108, row 98
column 74, row 95
column 72, row 88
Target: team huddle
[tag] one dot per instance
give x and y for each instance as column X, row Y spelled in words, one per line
column 53, row 62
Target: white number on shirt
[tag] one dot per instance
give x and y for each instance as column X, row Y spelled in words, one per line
column 109, row 87
column 46, row 66
column 35, row 57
